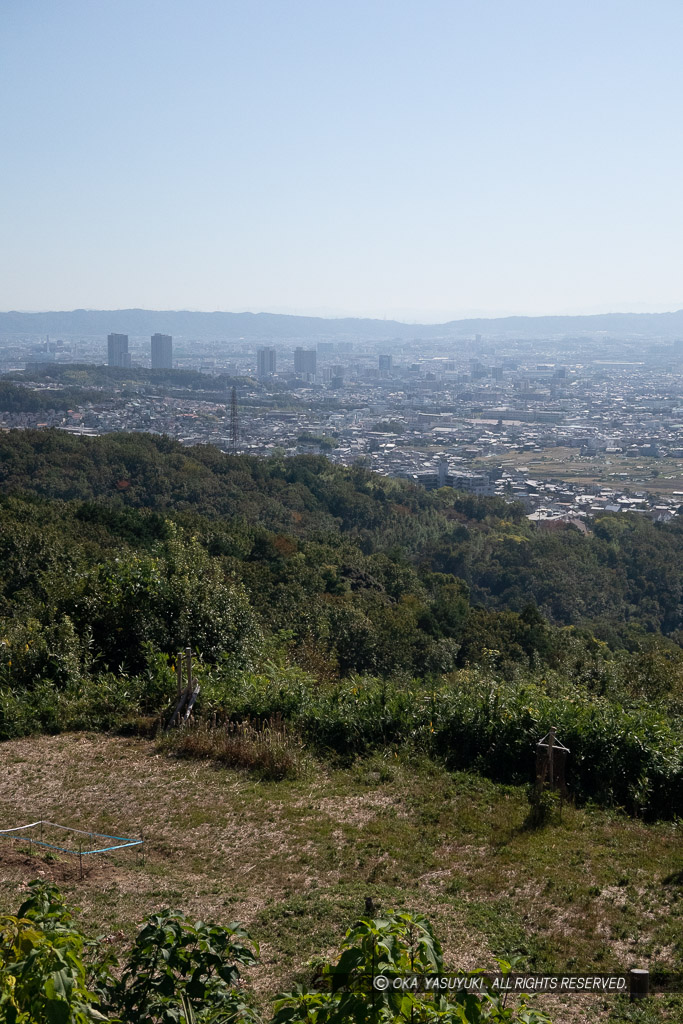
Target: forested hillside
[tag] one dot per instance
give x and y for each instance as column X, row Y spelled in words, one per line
column 628, row 573
column 292, row 579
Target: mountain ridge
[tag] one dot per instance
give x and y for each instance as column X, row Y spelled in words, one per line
column 272, row 326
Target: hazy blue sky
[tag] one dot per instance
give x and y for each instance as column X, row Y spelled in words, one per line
column 383, row 157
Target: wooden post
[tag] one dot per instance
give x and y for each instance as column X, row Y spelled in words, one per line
column 551, row 740
column 639, row 984
column 188, row 656
column 179, row 673
column 80, row 858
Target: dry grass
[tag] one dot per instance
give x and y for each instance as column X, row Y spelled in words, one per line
column 294, row 859
column 268, row 749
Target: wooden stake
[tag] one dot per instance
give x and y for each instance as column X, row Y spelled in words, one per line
column 188, row 656
column 551, row 740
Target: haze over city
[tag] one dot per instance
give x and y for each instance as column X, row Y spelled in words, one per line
column 419, row 162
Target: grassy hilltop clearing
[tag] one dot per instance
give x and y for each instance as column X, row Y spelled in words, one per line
column 293, row 861
column 376, row 664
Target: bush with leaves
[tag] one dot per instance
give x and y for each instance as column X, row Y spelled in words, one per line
column 177, row 967
column 395, row 945
column 42, row 970
column 179, row 972
column 171, row 598
column 31, row 652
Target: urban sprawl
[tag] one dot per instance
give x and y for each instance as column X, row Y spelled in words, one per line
column 568, row 426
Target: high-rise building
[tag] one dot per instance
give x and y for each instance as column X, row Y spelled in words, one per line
column 385, row 363
column 117, row 350
column 266, row 362
column 162, row 352
column 304, row 360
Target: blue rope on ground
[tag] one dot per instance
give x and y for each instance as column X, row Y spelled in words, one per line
column 39, row 842
column 82, row 853
column 10, row 833
column 133, row 842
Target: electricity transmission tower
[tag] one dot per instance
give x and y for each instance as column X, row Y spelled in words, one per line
column 234, row 423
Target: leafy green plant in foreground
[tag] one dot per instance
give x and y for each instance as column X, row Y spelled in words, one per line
column 42, row 970
column 175, row 964
column 395, row 945
column 179, row 972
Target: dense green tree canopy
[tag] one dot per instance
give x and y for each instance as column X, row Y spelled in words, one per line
column 119, row 551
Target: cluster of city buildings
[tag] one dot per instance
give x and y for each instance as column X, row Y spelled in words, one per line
column 496, row 417
column 161, row 351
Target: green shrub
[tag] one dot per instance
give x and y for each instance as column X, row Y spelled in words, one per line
column 543, row 806
column 184, row 972
column 31, row 652
column 396, row 944
column 628, row 755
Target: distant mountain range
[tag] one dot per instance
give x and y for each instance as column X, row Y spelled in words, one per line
column 277, row 326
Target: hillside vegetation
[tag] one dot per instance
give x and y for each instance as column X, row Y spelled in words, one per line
column 376, row 665
column 364, row 611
